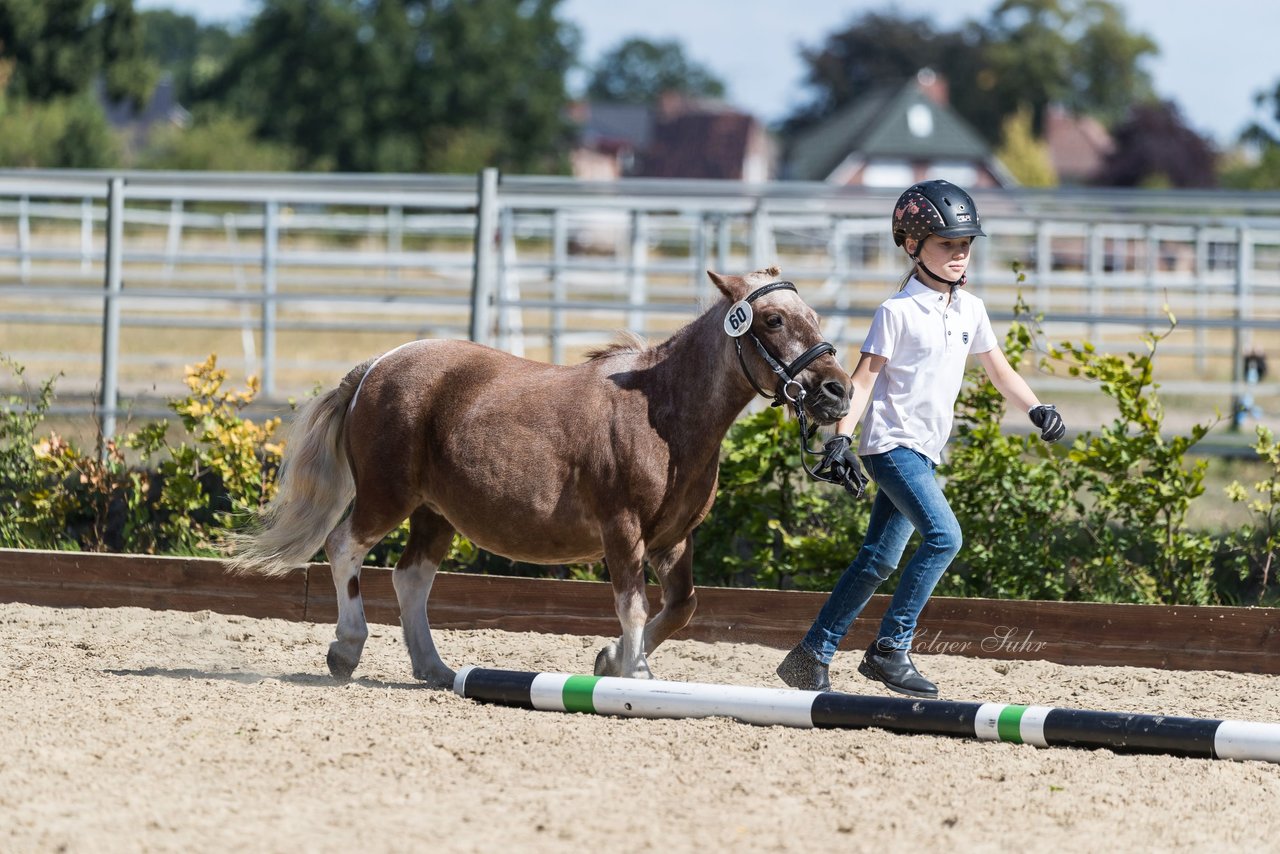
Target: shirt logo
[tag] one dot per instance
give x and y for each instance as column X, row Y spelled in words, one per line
column 964, row 336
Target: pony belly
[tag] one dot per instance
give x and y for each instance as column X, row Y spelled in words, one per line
column 532, row 553
column 531, row 542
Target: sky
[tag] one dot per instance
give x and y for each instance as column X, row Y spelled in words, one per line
column 1213, row 72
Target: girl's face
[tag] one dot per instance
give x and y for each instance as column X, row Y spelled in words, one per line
column 946, row 256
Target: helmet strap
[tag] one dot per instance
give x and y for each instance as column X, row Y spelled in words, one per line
column 958, row 283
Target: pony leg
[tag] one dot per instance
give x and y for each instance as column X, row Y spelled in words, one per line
column 346, row 556
column 625, row 656
column 674, row 569
column 429, row 539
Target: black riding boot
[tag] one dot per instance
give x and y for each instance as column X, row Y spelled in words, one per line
column 801, row 669
column 896, row 670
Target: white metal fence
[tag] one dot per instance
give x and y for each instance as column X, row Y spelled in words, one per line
column 116, row 280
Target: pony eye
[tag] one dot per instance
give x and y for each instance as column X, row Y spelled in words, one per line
column 773, row 321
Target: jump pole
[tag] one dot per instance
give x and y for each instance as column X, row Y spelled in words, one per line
column 1042, row 726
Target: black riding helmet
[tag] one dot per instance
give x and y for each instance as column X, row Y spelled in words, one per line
column 935, row 207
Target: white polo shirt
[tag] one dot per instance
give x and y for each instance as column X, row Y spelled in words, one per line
column 925, row 343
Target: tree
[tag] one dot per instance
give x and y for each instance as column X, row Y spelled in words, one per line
column 876, row 49
column 1025, row 156
column 1155, row 148
column 394, row 85
column 639, row 71
column 190, row 52
column 56, row 48
column 1027, row 53
column 1075, row 52
column 1256, row 166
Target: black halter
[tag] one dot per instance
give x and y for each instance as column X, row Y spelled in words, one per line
column 786, row 375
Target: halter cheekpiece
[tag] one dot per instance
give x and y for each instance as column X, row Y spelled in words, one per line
column 738, row 326
column 786, row 374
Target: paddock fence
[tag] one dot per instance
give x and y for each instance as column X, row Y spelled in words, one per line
column 115, row 280
column 1172, row 637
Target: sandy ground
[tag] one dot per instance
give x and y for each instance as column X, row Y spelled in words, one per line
column 133, row 730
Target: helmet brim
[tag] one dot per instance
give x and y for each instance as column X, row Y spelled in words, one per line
column 961, row 231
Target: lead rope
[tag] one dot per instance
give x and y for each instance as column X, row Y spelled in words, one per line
column 806, row 432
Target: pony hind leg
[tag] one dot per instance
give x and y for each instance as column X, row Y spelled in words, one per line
column 429, row 538
column 346, row 546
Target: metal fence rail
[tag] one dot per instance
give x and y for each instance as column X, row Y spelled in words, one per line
column 117, row 279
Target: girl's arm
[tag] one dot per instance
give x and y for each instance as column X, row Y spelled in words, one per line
column 1008, row 381
column 864, row 377
column 1015, row 390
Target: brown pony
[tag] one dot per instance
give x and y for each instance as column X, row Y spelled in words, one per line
column 616, row 457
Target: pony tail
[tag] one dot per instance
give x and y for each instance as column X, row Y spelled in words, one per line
column 315, row 489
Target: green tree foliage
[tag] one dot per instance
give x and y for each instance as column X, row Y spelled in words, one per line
column 878, row 49
column 1025, row 156
column 405, row 85
column 1261, row 139
column 56, row 48
column 1154, row 148
column 638, row 71
column 1076, row 52
column 1260, row 174
column 217, row 141
column 191, row 53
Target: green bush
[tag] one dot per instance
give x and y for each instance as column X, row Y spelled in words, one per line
column 69, row 132
column 173, row 498
column 1101, row 519
column 218, row 142
column 1258, row 543
column 770, row 525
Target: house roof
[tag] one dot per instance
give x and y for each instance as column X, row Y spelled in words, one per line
column 604, row 124
column 1078, row 145
column 899, row 121
column 703, row 145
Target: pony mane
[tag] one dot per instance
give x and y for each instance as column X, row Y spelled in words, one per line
column 623, row 342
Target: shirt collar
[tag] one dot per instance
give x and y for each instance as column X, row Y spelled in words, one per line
column 927, row 296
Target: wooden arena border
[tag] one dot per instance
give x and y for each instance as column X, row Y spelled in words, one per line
column 1245, row 640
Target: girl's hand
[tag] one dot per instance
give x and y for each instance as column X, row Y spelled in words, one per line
column 1049, row 421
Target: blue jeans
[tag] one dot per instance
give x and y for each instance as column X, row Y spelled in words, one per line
column 908, row 497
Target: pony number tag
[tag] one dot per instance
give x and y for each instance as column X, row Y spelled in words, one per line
column 738, row 320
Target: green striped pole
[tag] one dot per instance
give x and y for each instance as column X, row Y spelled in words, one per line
column 1042, row 726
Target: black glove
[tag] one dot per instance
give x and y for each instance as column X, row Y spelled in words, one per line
column 840, row 465
column 1049, row 422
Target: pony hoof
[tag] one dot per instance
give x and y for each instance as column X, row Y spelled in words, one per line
column 339, row 667
column 607, row 661
column 443, row 679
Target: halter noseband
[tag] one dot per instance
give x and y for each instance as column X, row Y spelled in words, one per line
column 786, row 374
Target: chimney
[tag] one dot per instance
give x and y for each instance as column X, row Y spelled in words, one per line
column 934, row 86
column 672, row 103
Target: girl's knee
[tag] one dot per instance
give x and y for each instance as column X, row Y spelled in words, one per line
column 947, row 538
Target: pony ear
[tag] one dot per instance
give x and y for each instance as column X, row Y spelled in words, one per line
column 731, row 286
